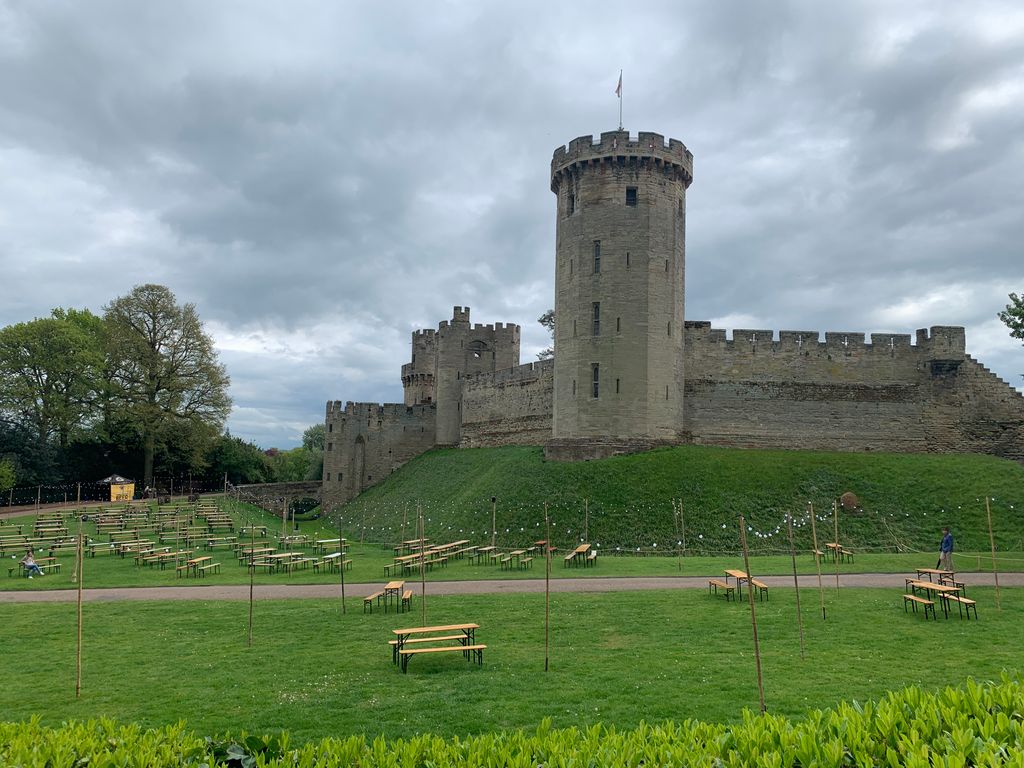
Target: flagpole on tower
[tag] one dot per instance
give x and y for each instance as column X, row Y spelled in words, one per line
column 618, row 92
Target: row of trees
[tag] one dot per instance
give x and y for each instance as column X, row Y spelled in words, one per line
column 129, row 391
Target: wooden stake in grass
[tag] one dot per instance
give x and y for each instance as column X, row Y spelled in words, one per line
column 494, row 519
column 586, row 519
column 796, row 582
column 252, row 572
column 341, row 565
column 423, row 570
column 753, row 614
column 284, row 519
column 992, row 543
column 79, row 567
column 817, row 558
column 837, row 552
column 547, row 585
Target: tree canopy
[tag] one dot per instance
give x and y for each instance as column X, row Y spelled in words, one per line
column 164, row 374
column 548, row 321
column 1013, row 316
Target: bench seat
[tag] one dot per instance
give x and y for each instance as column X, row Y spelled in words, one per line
column 965, row 602
column 211, row 567
column 369, row 600
column 761, row 587
column 716, row 584
column 914, row 601
column 477, row 652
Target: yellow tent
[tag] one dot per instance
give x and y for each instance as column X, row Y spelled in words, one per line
column 121, row 488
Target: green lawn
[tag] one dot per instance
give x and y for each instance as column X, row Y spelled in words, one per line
column 616, row 658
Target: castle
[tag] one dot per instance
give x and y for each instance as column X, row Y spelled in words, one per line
column 629, row 373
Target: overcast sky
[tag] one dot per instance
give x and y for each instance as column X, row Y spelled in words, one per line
column 321, row 178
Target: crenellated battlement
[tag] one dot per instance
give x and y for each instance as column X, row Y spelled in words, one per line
column 938, row 342
column 335, row 409
column 620, row 147
column 525, row 372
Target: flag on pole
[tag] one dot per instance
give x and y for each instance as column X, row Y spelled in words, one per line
column 618, row 88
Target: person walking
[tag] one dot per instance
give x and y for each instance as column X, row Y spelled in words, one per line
column 946, row 551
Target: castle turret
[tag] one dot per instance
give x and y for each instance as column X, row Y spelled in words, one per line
column 463, row 349
column 619, row 280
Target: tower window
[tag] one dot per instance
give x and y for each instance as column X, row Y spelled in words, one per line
column 597, row 378
column 570, row 199
column 570, row 267
column 631, row 196
column 597, row 256
column 597, row 318
column 616, row 386
column 666, row 265
column 627, row 259
column 666, row 391
column 330, row 427
column 339, row 477
column 668, row 328
column 574, row 387
column 330, row 446
column 328, row 477
column 618, row 324
column 573, row 327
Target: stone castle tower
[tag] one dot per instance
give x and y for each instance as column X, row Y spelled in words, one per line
column 619, row 283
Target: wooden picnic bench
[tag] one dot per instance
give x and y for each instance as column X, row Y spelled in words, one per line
column 525, row 562
column 369, row 600
column 202, row 570
column 465, row 634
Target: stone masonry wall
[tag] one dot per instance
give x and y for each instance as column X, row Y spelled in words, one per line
column 511, row 407
column 366, row 442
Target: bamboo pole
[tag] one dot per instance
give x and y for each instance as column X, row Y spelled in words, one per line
column 341, row 565
column 586, row 519
column 284, row 519
column 817, row 558
column 79, row 567
column 753, row 613
column 682, row 524
column 547, row 587
column 252, row 573
column 837, row 552
column 992, row 543
column 423, row 570
column 796, row 582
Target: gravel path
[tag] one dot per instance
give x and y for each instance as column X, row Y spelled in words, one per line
column 486, row 587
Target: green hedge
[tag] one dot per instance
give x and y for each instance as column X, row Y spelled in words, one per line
column 975, row 724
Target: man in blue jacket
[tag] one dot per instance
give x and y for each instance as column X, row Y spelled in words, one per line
column 946, row 551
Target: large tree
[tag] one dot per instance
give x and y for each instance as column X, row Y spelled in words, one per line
column 1013, row 316
column 51, row 374
column 164, row 373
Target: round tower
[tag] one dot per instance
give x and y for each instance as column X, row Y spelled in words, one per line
column 619, row 267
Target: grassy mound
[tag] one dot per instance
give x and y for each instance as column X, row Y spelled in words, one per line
column 627, row 502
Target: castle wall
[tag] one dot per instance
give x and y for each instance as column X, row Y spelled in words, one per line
column 846, row 394
column 510, row 407
column 366, row 442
